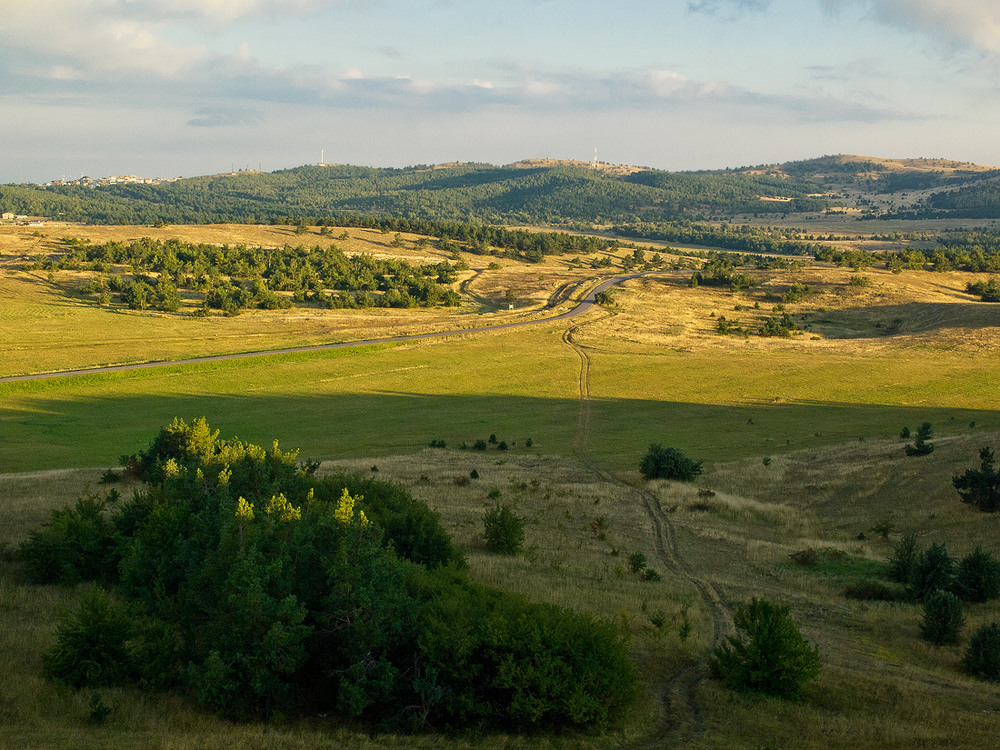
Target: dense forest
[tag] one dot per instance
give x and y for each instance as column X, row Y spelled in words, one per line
column 467, row 192
column 234, row 278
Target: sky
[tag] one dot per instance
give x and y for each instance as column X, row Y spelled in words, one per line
column 165, row 88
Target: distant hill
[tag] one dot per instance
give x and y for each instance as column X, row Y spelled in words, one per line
column 535, row 191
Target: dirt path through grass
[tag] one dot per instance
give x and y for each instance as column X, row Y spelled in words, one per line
column 682, row 714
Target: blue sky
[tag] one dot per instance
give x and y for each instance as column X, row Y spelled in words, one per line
column 189, row 87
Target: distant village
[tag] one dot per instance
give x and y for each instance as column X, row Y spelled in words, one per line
column 120, row 179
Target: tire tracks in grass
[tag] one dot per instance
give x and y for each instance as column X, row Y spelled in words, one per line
column 682, row 713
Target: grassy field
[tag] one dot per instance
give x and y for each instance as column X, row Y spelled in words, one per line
column 799, row 437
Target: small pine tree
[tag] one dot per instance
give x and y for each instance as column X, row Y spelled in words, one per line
column 769, row 655
column 920, row 446
column 935, row 571
column 503, row 530
column 980, row 488
column 982, row 655
column 904, row 560
column 943, row 618
column 978, row 578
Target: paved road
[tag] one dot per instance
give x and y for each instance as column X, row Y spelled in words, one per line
column 585, row 305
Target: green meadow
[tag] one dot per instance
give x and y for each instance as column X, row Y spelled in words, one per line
column 517, row 384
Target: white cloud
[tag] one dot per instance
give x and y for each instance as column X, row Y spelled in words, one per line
column 972, row 23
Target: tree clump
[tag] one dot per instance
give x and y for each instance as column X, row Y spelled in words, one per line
column 240, row 578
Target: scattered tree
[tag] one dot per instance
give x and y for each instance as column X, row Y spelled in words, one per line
column 920, row 446
column 980, row 488
column 978, row 578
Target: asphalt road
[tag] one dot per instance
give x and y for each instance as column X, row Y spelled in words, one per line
column 581, row 308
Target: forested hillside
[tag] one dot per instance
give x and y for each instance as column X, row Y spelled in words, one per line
column 481, row 193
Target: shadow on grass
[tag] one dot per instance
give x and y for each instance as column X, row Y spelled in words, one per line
column 56, row 430
column 914, row 317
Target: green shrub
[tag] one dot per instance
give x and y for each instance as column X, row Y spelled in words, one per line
column 636, row 562
column 503, row 530
column 768, row 654
column 870, row 590
column 494, row 660
column 935, row 571
column 76, row 544
column 668, row 463
column 904, row 560
column 90, row 647
column 978, row 578
column 982, row 654
column 943, row 618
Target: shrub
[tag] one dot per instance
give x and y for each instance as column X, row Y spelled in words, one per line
column 668, row 463
column 935, row 572
column 904, row 560
column 90, row 647
column 76, row 544
column 768, row 654
column 982, row 655
column 978, row 578
column 503, row 530
column 943, row 618
column 869, row 590
column 636, row 562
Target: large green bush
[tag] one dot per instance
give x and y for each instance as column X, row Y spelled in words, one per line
column 242, row 579
column 668, row 463
column 978, row 578
column 768, row 654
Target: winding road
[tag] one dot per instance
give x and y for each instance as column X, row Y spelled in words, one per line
column 581, row 308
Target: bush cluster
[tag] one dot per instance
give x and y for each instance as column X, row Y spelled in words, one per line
column 239, row 577
column 668, row 463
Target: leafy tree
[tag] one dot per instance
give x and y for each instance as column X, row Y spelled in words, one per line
column 982, row 654
column 980, row 488
column 943, row 618
column 668, row 463
column 768, row 654
column 920, row 446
